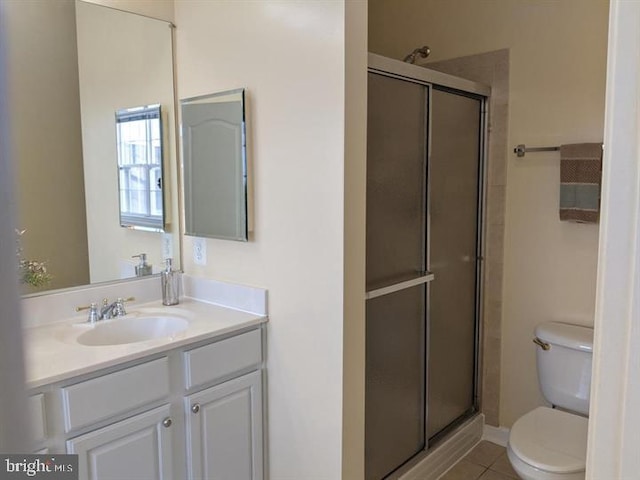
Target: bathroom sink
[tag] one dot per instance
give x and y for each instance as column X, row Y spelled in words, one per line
column 133, row 329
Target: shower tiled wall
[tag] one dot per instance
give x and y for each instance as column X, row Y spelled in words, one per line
column 492, row 69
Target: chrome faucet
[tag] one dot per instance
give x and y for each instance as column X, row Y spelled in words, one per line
column 107, row 311
column 113, row 309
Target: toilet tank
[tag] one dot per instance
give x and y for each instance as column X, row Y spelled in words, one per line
column 564, row 370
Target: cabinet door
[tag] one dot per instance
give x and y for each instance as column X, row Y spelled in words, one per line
column 139, row 447
column 36, row 415
column 224, row 430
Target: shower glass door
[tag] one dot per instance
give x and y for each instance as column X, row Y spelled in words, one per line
column 425, row 146
column 454, row 183
column 396, row 294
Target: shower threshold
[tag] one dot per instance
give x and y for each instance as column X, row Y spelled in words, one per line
column 449, row 447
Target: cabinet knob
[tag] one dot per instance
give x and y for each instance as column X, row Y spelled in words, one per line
column 167, row 422
column 195, row 408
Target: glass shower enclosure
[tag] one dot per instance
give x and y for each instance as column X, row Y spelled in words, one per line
column 425, row 152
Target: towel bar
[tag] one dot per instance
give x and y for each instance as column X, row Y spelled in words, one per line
column 521, row 149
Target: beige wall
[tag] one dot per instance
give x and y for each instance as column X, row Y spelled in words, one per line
column 45, row 132
column 290, row 56
column 161, row 9
column 13, row 396
column 127, row 69
column 557, row 81
column 355, row 180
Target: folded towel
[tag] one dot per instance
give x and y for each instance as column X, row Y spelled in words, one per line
column 580, row 178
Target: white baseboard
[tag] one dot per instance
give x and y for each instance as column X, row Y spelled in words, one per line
column 497, row 435
column 445, row 455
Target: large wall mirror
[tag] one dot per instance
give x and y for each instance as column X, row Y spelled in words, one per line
column 73, row 67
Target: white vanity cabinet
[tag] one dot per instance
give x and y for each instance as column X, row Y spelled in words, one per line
column 224, row 430
column 35, row 405
column 139, row 447
column 224, row 422
column 91, row 401
column 192, row 412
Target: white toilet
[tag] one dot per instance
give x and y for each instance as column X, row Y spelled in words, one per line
column 549, row 443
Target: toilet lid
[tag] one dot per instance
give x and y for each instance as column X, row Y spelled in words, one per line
column 551, row 440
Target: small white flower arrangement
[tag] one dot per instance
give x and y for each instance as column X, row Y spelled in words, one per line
column 32, row 272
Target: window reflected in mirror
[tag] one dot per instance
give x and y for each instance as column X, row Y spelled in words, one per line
column 139, row 147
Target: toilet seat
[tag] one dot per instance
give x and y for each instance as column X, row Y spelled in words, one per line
column 551, row 440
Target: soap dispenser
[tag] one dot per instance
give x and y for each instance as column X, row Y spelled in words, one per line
column 143, row 268
column 170, row 280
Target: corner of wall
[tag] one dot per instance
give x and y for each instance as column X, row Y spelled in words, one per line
column 353, row 383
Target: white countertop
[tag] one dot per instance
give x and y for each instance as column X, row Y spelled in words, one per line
column 53, row 354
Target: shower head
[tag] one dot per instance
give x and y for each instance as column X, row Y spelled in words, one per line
column 422, row 51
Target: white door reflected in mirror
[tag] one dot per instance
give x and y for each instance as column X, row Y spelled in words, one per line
column 215, row 165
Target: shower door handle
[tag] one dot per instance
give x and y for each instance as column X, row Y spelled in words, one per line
column 379, row 292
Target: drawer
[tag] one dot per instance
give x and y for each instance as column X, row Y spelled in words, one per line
column 35, row 406
column 220, row 359
column 103, row 397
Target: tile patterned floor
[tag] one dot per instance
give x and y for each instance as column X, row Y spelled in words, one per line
column 487, row 461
